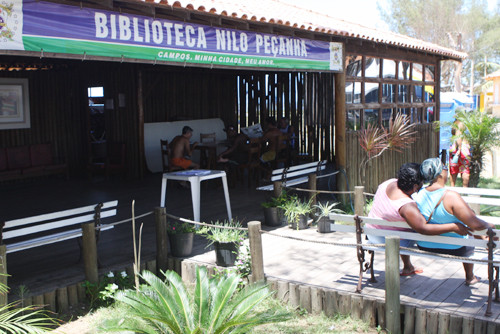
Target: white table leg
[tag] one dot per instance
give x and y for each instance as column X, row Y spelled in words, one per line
column 163, row 191
column 226, row 195
column 195, row 197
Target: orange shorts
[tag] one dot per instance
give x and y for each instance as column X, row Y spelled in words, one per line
column 181, row 162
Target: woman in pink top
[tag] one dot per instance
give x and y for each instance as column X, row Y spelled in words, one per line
column 393, row 202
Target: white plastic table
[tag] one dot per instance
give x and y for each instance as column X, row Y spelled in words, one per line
column 194, row 177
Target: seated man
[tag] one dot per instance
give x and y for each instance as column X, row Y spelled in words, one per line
column 237, row 152
column 271, row 138
column 393, row 202
column 446, row 206
column 181, row 150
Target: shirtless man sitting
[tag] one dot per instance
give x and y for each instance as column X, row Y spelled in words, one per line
column 181, row 149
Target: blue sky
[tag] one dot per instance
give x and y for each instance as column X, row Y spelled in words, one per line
column 359, row 11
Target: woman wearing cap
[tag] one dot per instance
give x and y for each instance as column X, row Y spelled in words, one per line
column 393, row 202
column 446, row 206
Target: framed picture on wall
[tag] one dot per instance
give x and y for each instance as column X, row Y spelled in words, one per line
column 14, row 104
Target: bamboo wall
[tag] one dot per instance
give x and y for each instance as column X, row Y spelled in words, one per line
column 307, row 99
column 387, row 165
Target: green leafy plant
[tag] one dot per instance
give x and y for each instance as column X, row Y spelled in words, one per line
column 234, row 232
column 276, row 202
column 176, row 227
column 23, row 320
column 242, row 266
column 100, row 294
column 294, row 208
column 324, row 209
column 216, row 306
column 482, row 134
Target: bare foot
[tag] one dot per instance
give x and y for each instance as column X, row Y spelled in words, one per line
column 222, row 160
column 473, row 281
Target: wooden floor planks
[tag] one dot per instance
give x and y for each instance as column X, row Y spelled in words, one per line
column 441, row 286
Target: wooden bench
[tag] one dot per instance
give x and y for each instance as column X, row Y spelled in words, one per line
column 484, row 251
column 287, row 177
column 26, row 233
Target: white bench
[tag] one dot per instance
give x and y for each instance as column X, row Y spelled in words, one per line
column 484, row 252
column 480, row 196
column 287, row 177
column 26, row 233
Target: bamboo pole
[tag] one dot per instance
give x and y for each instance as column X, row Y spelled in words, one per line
column 89, row 251
column 392, row 288
column 3, row 273
column 256, row 251
column 161, row 239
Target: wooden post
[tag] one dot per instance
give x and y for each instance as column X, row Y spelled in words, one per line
column 89, row 251
column 162, row 242
column 256, row 251
column 340, row 129
column 359, row 201
column 392, row 288
column 312, row 186
column 3, row 273
column 277, row 188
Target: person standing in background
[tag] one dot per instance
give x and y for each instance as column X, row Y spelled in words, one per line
column 459, row 156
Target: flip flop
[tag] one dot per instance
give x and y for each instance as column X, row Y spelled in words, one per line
column 475, row 280
column 414, row 272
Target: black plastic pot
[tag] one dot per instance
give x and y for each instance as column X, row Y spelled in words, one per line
column 302, row 223
column 324, row 225
column 181, row 244
column 225, row 253
column 274, row 217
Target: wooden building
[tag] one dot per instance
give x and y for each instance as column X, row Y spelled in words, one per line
column 155, row 63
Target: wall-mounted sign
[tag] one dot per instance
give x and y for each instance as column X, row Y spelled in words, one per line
column 35, row 25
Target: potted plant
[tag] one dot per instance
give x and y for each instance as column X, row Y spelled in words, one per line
column 297, row 212
column 180, row 236
column 273, row 214
column 322, row 215
column 225, row 240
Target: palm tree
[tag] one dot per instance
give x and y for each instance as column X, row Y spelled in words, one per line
column 482, row 133
column 216, row 306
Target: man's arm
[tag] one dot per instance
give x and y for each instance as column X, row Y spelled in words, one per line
column 417, row 222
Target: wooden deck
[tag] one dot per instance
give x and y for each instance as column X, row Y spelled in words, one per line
column 440, row 287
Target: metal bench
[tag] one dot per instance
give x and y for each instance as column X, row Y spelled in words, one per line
column 484, row 251
column 26, row 233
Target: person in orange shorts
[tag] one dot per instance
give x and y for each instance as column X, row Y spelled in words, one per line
column 181, row 149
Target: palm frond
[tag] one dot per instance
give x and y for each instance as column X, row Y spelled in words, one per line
column 400, row 133
column 372, row 140
column 201, row 296
column 24, row 320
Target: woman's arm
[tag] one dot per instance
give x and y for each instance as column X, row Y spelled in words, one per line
column 417, row 222
column 455, row 204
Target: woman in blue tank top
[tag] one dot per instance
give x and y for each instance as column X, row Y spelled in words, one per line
column 451, row 209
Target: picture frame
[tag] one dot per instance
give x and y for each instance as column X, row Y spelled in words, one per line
column 14, row 104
